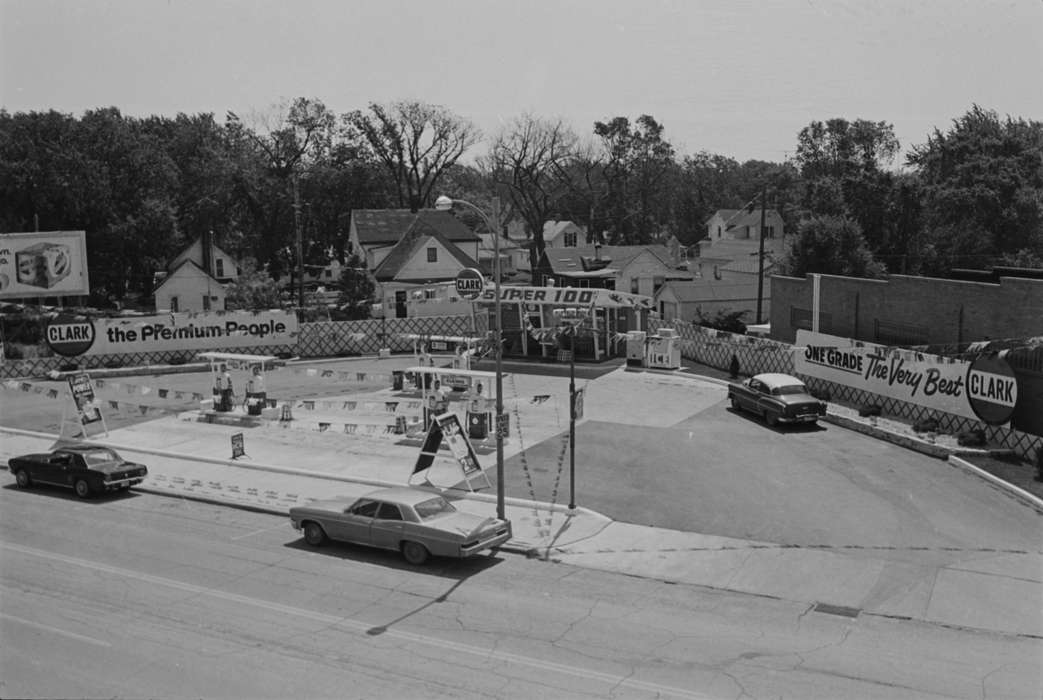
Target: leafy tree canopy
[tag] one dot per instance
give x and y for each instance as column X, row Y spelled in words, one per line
column 830, row 245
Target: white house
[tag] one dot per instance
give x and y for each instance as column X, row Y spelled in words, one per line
column 195, row 279
column 563, row 234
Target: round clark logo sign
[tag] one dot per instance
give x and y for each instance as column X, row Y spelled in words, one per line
column 69, row 336
column 992, row 390
column 469, row 283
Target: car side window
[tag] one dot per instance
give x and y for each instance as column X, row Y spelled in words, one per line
column 756, row 386
column 366, row 508
column 389, row 511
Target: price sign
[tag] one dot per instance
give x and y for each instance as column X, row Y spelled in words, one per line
column 503, row 425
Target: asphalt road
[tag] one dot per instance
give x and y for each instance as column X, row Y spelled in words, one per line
column 144, row 596
column 720, row 472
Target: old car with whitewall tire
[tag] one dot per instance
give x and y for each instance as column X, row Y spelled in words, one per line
column 416, row 522
column 86, row 469
column 778, row 398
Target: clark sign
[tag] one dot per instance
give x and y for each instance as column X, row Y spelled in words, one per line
column 177, row 331
column 984, row 390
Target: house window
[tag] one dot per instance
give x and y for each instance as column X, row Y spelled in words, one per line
column 634, row 285
column 206, row 302
column 432, row 255
column 220, row 267
column 174, row 304
column 657, row 282
column 718, row 231
column 570, row 239
column 769, row 232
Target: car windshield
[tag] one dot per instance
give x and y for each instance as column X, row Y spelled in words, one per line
column 99, row 456
column 788, row 389
column 433, row 508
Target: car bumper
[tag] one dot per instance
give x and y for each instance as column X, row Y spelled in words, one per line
column 502, row 536
column 122, row 483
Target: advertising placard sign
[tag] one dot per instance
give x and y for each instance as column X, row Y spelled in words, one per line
column 984, row 390
column 43, row 264
column 459, row 445
column 175, row 331
column 83, row 396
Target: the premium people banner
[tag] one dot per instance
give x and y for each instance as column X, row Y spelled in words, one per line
column 174, row 331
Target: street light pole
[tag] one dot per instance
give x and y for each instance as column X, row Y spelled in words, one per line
column 572, row 420
column 444, row 203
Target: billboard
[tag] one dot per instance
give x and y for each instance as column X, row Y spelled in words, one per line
column 72, row 337
column 985, row 389
column 43, row 264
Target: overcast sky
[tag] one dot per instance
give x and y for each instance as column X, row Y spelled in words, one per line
column 734, row 77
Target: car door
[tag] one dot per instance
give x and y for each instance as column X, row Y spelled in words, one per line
column 354, row 524
column 56, row 469
column 750, row 394
column 386, row 530
column 762, row 397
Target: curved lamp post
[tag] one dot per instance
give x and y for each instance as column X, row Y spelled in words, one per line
column 444, row 203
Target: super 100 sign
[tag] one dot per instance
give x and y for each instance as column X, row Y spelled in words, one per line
column 984, row 390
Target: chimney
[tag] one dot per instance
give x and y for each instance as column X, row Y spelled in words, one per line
column 208, row 252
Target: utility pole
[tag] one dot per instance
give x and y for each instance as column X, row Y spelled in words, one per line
column 300, row 242
column 760, row 256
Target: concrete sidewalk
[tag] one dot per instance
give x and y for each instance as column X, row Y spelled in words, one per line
column 998, row 591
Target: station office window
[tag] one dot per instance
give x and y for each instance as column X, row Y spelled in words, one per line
column 432, row 254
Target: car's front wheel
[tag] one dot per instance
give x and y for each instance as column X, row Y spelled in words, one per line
column 83, row 489
column 314, row 534
column 21, row 477
column 771, row 418
column 414, row 553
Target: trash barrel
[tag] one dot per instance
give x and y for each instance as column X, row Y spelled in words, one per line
column 398, row 378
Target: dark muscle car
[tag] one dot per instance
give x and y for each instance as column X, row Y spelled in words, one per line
column 87, row 469
column 779, row 398
column 416, row 522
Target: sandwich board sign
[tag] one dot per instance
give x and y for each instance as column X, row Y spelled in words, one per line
column 85, row 405
column 446, row 426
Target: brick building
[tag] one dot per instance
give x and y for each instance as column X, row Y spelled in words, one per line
column 907, row 311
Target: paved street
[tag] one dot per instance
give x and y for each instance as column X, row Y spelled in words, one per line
column 672, row 487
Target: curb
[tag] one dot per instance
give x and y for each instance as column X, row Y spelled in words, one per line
column 1015, row 491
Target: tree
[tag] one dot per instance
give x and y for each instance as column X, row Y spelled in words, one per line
column 416, row 143
column 637, row 163
column 529, row 159
column 842, row 164
column 274, row 157
column 356, row 289
column 253, row 290
column 982, row 184
column 830, row 245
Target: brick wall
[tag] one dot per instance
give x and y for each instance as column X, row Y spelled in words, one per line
column 904, row 310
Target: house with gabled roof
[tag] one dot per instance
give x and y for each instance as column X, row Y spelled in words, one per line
column 410, row 253
column 195, row 279
column 637, row 269
column 717, row 286
column 563, row 234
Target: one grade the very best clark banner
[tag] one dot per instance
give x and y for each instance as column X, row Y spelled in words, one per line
column 984, row 389
column 175, row 331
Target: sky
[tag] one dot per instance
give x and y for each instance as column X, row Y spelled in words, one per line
column 739, row 78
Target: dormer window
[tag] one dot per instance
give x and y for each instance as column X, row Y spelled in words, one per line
column 432, row 255
column 570, row 239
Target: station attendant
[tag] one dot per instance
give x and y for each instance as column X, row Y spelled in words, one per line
column 224, row 389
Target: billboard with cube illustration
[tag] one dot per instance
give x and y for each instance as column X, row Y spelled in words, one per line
column 43, row 264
